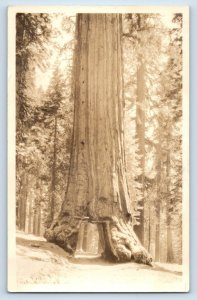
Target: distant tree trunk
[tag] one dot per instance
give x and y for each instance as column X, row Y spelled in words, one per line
column 158, row 201
column 36, row 214
column 100, row 248
column 30, row 216
column 170, row 257
column 21, row 63
column 38, row 220
column 97, row 186
column 81, row 238
column 168, row 216
column 53, row 175
column 149, row 226
column 21, row 68
column 34, row 221
column 23, row 202
column 90, row 238
column 85, row 238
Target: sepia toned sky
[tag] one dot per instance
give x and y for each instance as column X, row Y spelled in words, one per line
column 57, row 42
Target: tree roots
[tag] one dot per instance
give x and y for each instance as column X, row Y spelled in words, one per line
column 123, row 242
column 117, row 237
column 64, row 233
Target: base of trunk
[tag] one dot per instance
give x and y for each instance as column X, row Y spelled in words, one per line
column 122, row 244
column 64, row 233
column 117, row 237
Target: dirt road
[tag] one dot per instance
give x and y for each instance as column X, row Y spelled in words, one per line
column 42, row 266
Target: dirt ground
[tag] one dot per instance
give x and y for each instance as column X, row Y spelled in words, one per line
column 43, row 266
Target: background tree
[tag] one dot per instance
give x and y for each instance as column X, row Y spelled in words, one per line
column 148, row 41
column 31, row 31
column 36, row 148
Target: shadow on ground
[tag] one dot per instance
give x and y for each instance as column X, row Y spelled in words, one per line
column 88, row 259
column 42, row 245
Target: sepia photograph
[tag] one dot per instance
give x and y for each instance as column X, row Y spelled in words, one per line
column 98, row 149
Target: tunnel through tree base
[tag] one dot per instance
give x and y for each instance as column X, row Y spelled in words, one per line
column 117, row 237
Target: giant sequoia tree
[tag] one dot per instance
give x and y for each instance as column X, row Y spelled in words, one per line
column 97, row 186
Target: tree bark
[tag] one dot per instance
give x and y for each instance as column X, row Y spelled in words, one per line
column 97, row 186
column 140, row 133
column 30, row 215
column 170, row 257
column 23, row 202
column 158, row 200
column 39, row 220
column 85, row 238
column 53, row 174
column 34, row 222
column 140, row 125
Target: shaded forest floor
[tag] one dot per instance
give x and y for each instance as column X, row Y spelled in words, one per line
column 41, row 266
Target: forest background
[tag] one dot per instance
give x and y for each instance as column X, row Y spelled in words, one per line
column 152, row 58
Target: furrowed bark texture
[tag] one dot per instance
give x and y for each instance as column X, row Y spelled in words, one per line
column 140, row 133
column 97, row 186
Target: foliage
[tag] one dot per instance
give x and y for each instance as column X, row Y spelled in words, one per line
column 157, row 46
column 44, row 112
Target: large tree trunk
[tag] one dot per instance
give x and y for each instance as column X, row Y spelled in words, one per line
column 97, row 187
column 140, row 126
